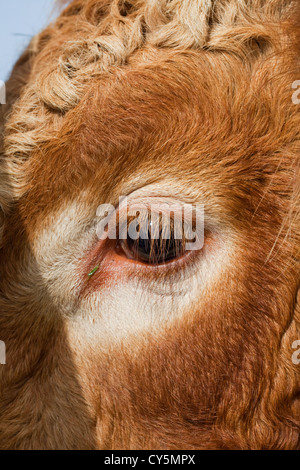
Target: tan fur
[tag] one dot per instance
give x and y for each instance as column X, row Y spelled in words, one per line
column 193, row 98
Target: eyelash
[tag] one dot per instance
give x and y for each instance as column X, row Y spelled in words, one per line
column 158, row 244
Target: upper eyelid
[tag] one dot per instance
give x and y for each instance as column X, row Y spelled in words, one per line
column 165, row 206
column 158, row 210
column 159, row 206
column 114, row 221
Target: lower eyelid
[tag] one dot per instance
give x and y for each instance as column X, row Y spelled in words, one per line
column 164, row 265
column 114, row 267
column 115, row 262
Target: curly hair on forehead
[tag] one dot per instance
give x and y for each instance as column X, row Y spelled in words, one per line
column 91, row 38
column 104, row 34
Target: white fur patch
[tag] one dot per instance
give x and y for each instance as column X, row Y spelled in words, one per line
column 134, row 305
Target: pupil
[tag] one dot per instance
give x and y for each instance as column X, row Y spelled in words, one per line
column 156, row 251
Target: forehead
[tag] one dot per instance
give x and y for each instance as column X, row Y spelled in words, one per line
column 180, row 116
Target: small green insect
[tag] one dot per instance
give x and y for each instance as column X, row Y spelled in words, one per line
column 91, row 274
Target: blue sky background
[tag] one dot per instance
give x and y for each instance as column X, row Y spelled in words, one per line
column 19, row 20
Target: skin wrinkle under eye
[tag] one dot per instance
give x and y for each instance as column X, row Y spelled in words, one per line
column 136, row 302
column 108, row 254
column 184, row 278
column 117, row 273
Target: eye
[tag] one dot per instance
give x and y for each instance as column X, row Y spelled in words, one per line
column 154, row 251
column 156, row 239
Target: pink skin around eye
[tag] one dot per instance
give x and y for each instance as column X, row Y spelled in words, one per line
column 110, row 265
column 113, row 266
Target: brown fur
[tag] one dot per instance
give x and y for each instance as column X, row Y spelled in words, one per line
column 114, row 96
